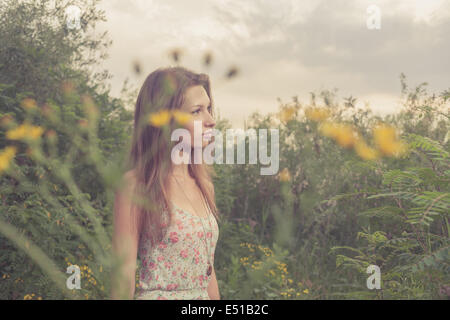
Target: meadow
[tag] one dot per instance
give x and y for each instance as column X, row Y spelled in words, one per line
column 353, row 190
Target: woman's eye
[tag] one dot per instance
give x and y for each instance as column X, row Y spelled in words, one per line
column 196, row 111
column 209, row 109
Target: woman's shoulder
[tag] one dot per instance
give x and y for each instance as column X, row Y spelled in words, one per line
column 129, row 178
column 126, row 184
column 130, row 175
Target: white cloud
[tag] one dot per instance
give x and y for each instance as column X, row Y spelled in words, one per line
column 287, row 47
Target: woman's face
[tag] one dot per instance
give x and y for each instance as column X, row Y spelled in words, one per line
column 198, row 105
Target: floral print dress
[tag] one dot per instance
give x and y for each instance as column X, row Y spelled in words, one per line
column 176, row 268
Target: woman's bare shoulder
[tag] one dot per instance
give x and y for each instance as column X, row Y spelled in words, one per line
column 131, row 174
column 127, row 182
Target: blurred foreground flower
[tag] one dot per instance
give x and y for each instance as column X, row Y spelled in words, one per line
column 25, row 131
column 232, row 72
column 344, row 134
column 6, row 120
column 6, row 156
column 385, row 138
column 317, row 114
column 137, row 67
column 181, row 117
column 285, row 175
column 160, row 119
column 68, row 87
column 89, row 107
column 175, row 54
column 28, row 104
column 287, row 113
column 51, row 135
column 366, row 152
column 207, row 59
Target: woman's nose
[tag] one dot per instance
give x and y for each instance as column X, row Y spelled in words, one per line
column 209, row 121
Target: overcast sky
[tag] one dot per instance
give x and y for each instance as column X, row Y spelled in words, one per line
column 285, row 48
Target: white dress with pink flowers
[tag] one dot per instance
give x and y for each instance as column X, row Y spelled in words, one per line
column 176, row 268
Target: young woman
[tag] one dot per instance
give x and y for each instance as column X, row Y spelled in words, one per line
column 165, row 212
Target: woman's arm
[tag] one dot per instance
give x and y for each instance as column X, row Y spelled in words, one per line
column 213, row 287
column 125, row 243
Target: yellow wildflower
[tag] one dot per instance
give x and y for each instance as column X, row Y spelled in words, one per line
column 306, row 291
column 345, row 136
column 365, row 152
column 18, row 133
column 159, row 119
column 317, row 114
column 6, row 156
column 385, row 137
column 35, row 132
column 6, row 120
column 181, row 117
column 287, row 113
column 285, row 175
column 328, row 129
column 25, row 131
column 342, row 133
column 28, row 104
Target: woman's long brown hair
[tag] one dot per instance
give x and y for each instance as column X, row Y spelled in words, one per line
column 149, row 156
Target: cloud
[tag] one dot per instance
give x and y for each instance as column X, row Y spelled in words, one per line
column 287, row 48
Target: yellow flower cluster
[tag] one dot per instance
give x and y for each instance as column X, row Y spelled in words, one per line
column 317, row 114
column 344, row 134
column 86, row 272
column 31, row 296
column 384, row 137
column 18, row 280
column 163, row 117
column 347, row 136
column 6, row 276
column 289, row 289
column 25, row 131
column 267, row 251
column 6, row 156
column 284, row 175
column 28, row 104
column 287, row 113
column 244, row 261
column 292, row 292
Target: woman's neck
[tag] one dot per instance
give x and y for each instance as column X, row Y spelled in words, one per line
column 180, row 171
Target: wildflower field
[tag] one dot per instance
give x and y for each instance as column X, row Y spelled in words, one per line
column 354, row 189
